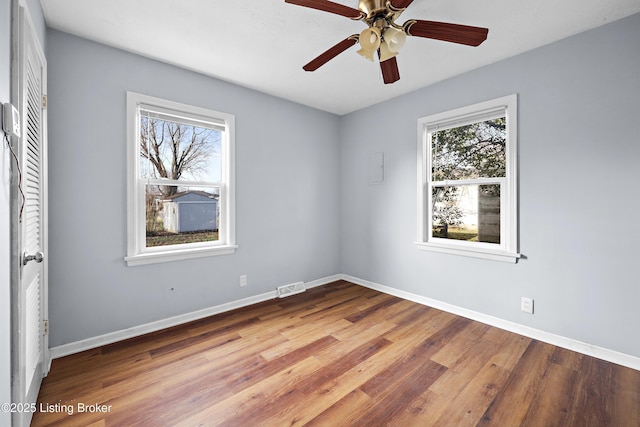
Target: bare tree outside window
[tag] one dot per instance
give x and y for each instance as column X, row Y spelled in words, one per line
column 177, row 214
column 178, row 151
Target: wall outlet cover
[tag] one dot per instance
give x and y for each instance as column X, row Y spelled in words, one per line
column 526, row 305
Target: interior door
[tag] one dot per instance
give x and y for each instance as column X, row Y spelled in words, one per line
column 31, row 336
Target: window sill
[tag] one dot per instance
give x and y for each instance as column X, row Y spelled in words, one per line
column 502, row 256
column 178, row 255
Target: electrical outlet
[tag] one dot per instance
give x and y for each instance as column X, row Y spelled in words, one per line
column 243, row 281
column 526, row 305
column 11, row 120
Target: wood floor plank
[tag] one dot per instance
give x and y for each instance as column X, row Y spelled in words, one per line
column 331, row 392
column 401, row 310
column 590, row 394
column 362, row 330
column 448, row 355
column 339, row 309
column 335, row 389
column 311, row 332
column 318, row 327
column 338, row 355
column 391, row 401
column 429, row 321
column 512, row 347
column 328, row 397
column 374, row 312
column 468, row 407
column 349, row 343
column 450, row 392
column 342, row 364
column 265, row 370
column 418, row 356
column 324, row 394
column 511, row 406
column 625, row 396
column 551, row 404
column 420, row 412
column 343, row 413
column 253, row 402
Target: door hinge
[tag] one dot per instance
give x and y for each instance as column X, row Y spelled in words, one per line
column 46, row 327
column 44, row 102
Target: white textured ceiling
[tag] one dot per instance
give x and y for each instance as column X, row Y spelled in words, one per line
column 263, row 44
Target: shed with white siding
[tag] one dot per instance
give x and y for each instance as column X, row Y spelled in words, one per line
column 191, row 211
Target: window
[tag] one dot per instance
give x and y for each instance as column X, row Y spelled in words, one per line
column 180, row 181
column 467, row 189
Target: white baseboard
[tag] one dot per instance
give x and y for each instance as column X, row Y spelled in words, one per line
column 323, row 281
column 623, row 359
column 560, row 341
column 110, row 338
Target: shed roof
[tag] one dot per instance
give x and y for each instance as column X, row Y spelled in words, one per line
column 185, row 193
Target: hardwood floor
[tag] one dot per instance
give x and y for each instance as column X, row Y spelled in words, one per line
column 337, row 355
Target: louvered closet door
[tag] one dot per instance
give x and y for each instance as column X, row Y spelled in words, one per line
column 32, row 292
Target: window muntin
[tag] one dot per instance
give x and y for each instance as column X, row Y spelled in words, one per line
column 467, row 188
column 181, row 198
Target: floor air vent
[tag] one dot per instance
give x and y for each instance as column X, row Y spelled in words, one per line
column 292, row 289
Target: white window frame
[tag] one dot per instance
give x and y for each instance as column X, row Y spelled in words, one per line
column 137, row 252
column 507, row 249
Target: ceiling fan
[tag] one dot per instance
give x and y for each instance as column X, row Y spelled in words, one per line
column 384, row 36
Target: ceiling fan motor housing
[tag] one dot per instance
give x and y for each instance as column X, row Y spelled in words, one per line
column 379, row 13
column 372, row 7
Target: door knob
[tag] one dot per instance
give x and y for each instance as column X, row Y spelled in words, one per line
column 38, row 257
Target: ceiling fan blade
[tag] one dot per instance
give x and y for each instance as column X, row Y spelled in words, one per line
column 331, row 53
column 329, row 6
column 454, row 33
column 390, row 73
column 401, row 4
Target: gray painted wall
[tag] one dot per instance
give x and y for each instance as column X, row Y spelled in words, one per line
column 579, row 150
column 5, row 218
column 287, row 174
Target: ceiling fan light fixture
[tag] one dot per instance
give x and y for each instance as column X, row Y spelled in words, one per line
column 394, row 39
column 370, row 42
column 386, row 53
column 368, row 54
